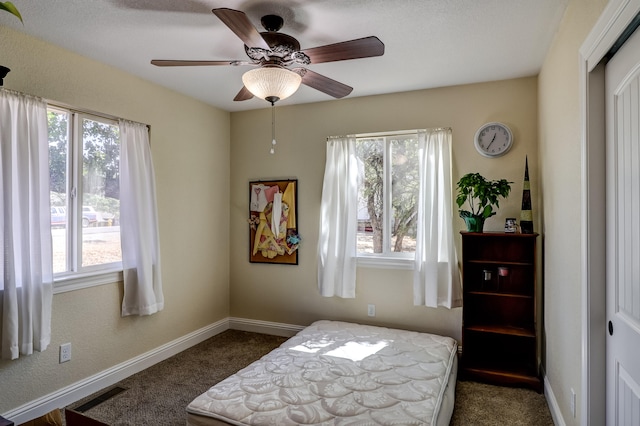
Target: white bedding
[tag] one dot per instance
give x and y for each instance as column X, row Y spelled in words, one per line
column 338, row 373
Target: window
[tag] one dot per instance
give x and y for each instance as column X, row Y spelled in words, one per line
column 84, row 157
column 397, row 188
column 388, row 184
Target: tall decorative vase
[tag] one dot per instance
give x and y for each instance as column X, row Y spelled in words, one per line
column 3, row 73
column 526, row 216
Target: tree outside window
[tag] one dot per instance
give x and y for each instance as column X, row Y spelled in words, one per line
column 84, row 157
column 387, row 194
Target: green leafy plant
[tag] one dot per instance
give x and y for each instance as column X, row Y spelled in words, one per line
column 7, row 6
column 481, row 195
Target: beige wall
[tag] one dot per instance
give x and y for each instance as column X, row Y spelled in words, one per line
column 198, row 170
column 289, row 294
column 560, row 137
column 190, row 146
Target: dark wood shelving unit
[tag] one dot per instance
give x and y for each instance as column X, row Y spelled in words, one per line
column 499, row 334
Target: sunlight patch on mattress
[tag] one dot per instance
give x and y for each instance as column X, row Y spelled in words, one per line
column 357, row 351
column 312, row 346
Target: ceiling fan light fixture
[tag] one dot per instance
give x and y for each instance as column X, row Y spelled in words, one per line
column 271, row 82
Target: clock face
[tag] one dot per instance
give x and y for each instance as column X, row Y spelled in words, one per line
column 493, row 139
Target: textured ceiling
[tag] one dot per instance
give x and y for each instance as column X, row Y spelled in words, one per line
column 428, row 43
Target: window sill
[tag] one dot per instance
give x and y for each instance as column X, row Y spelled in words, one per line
column 380, row 262
column 80, row 281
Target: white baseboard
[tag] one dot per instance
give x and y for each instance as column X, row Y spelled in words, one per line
column 72, row 393
column 265, row 327
column 556, row 414
column 76, row 391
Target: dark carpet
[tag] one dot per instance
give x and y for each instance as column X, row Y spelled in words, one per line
column 159, row 395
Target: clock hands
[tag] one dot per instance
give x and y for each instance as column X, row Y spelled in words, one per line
column 493, row 139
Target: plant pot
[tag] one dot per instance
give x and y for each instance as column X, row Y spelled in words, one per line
column 474, row 223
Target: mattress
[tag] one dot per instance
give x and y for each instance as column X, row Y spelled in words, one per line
column 339, row 373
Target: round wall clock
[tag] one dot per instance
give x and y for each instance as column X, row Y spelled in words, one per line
column 493, row 139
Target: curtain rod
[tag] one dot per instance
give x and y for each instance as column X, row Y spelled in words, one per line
column 392, row 133
column 17, row 93
column 74, row 109
column 57, row 104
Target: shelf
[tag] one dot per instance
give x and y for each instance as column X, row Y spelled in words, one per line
column 503, row 377
column 501, row 364
column 499, row 335
column 493, row 234
column 501, row 329
column 497, row 262
column 511, row 370
column 499, row 294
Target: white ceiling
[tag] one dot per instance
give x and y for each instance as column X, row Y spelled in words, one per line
column 428, row 43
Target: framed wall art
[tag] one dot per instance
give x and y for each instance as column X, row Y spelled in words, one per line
column 273, row 221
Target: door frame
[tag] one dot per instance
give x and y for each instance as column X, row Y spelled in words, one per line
column 615, row 19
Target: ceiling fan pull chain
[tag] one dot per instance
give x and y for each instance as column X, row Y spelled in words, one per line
column 273, row 129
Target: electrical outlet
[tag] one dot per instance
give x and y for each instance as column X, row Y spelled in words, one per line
column 65, row 352
column 572, row 403
column 371, row 310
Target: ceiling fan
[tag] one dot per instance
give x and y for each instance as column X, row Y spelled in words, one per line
column 278, row 60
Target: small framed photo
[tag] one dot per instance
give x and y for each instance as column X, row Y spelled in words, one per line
column 510, row 225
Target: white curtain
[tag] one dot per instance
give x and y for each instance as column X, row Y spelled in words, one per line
column 25, row 226
column 139, row 223
column 338, row 220
column 436, row 277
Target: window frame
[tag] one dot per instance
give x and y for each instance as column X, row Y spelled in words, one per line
column 76, row 276
column 388, row 259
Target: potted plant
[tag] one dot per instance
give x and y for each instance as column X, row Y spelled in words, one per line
column 481, row 195
column 9, row 7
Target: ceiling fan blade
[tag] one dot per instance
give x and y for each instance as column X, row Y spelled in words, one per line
column 325, row 84
column 181, row 63
column 243, row 95
column 239, row 23
column 354, row 49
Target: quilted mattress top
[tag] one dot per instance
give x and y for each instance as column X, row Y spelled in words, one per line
column 338, row 373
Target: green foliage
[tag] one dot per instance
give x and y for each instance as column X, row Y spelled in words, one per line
column 480, row 194
column 404, row 181
column 102, row 204
column 372, row 156
column 9, row 7
column 101, row 158
column 100, row 162
column 58, row 142
column 100, row 155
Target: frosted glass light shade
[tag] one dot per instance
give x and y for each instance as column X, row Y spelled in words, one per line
column 272, row 81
